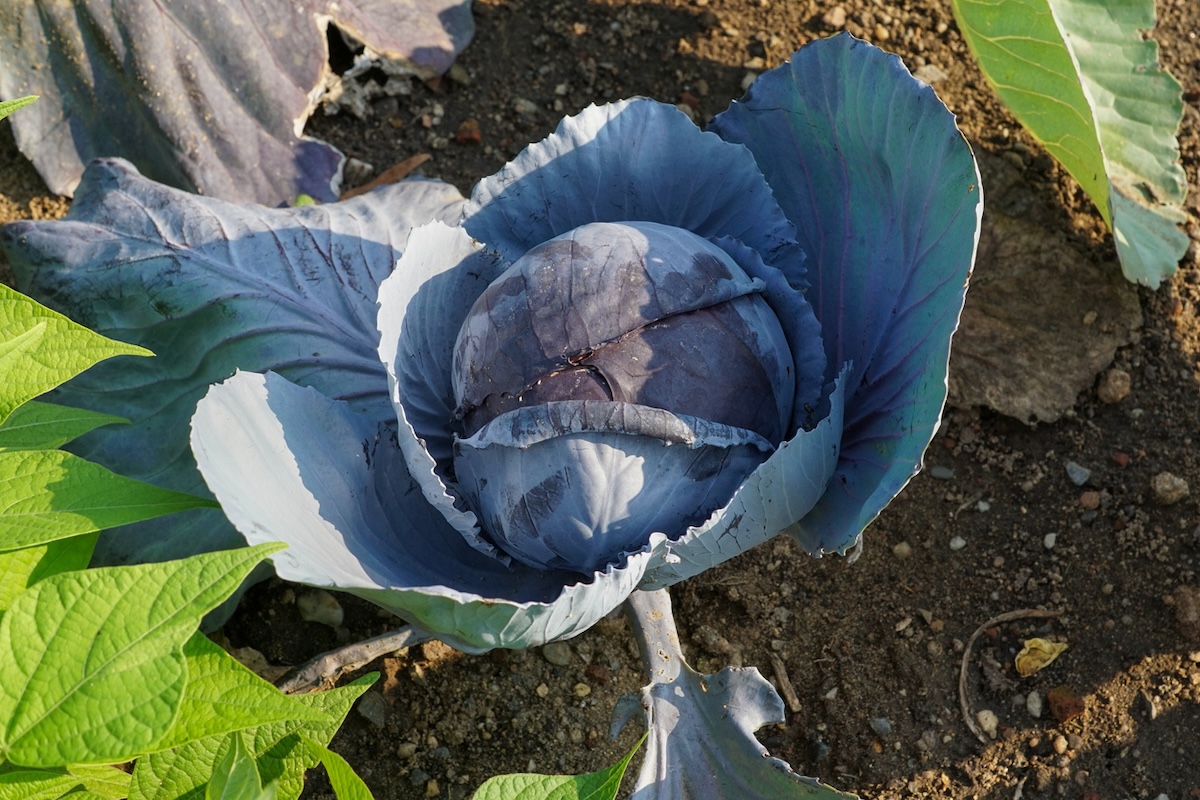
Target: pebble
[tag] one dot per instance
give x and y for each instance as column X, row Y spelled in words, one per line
column 523, row 106
column 881, row 726
column 1079, row 475
column 373, row 708
column 1049, row 540
column 958, row 543
column 930, row 73
column 834, row 19
column 1060, row 744
column 1168, row 488
column 1114, row 386
column 432, row 789
column 989, row 722
column 557, row 653
column 1090, row 500
column 1033, row 704
column 406, row 750
column 581, row 690
column 320, row 606
column 941, row 473
column 902, row 550
column 881, row 33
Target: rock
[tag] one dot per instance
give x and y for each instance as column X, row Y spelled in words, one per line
column 320, row 606
column 1090, row 500
column 557, row 653
column 1028, row 354
column 881, row 726
column 1049, row 540
column 1168, row 488
column 988, row 721
column 1187, row 611
column 930, row 73
column 523, row 106
column 1060, row 744
column 373, row 708
column 1033, row 704
column 1114, row 386
column 834, row 19
column 941, row 473
column 1079, row 475
column 958, row 543
column 902, row 550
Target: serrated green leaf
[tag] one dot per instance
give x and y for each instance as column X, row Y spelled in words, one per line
column 282, row 758
column 600, row 785
column 9, row 106
column 26, row 783
column 50, row 494
column 235, row 776
column 345, row 781
column 223, row 696
column 1083, row 80
column 46, row 426
column 40, row 348
column 20, row 569
column 92, row 668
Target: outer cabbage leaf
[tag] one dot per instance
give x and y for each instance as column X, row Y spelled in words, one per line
column 289, row 463
column 886, row 199
column 212, row 287
column 1087, row 84
column 208, row 97
column 700, row 743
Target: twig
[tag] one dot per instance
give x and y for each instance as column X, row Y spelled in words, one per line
column 785, row 684
column 1010, row 616
column 324, row 670
column 1020, row 792
column 392, row 174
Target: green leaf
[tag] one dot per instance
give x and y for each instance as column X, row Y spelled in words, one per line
column 20, row 569
column 600, row 785
column 9, row 106
column 345, row 781
column 281, row 755
column 222, row 696
column 46, row 426
column 235, row 776
column 92, row 668
column 25, row 783
column 49, row 494
column 1081, row 78
column 40, row 348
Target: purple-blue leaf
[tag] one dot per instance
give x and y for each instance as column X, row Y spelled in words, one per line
column 208, row 97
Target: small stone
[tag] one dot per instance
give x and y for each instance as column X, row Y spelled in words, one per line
column 1079, row 475
column 320, row 606
column 1060, row 744
column 458, row 74
column 1049, row 540
column 958, row 543
column 1168, row 488
column 523, row 106
column 1090, row 500
column 881, row 726
column 834, row 19
column 432, row 789
column 1114, row 386
column 557, row 653
column 941, row 473
column 988, row 721
column 581, row 690
column 468, row 132
column 930, row 73
column 902, row 550
column 1033, row 704
column 1074, row 741
column 542, row 690
column 406, row 750
column 881, row 33
column 373, row 708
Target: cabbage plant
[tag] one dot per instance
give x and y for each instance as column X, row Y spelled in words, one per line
column 635, row 352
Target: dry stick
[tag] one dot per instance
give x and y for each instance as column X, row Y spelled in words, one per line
column 785, row 684
column 1023, row 613
column 324, row 670
column 392, row 174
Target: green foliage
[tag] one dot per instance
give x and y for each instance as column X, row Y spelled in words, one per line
column 9, row 106
column 1081, row 78
column 600, row 785
column 102, row 666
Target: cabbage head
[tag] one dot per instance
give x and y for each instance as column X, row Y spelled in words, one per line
column 636, row 351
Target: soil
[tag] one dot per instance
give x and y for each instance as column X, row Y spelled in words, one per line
column 997, row 522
